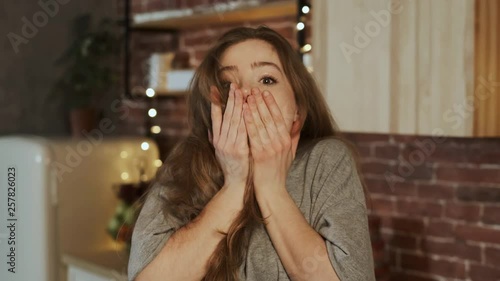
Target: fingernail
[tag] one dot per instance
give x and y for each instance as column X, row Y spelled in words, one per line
column 231, row 86
column 266, row 93
column 254, row 91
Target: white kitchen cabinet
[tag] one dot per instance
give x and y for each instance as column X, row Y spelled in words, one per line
column 80, row 274
column 87, row 269
column 426, row 67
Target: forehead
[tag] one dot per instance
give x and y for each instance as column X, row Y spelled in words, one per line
column 248, row 52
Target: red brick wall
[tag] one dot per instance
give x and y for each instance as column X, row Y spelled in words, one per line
column 437, row 201
column 198, row 41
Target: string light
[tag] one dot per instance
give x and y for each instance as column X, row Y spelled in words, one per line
column 144, row 146
column 155, row 129
column 124, row 176
column 150, row 92
column 306, row 48
column 304, row 9
column 152, row 112
column 123, row 154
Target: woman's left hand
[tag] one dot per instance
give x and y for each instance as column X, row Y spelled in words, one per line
column 271, row 146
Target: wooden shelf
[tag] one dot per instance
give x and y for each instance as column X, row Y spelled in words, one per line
column 164, row 94
column 214, row 15
column 160, row 93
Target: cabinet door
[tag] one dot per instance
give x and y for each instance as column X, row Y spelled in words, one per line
column 487, row 86
column 400, row 66
column 78, row 274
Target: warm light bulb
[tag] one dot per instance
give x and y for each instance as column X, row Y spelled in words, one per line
column 124, row 176
column 144, row 146
column 158, row 163
column 152, row 112
column 123, row 154
column 305, row 9
column 306, row 48
column 150, row 92
column 300, row 26
column 155, row 129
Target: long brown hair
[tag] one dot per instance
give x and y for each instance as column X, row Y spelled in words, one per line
column 191, row 175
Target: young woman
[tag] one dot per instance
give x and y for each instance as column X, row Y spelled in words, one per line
column 262, row 188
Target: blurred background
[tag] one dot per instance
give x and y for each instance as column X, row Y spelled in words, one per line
column 92, row 99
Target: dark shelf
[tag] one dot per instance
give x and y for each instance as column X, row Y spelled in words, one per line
column 188, row 18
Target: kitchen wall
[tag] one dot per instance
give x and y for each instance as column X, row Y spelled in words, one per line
column 435, row 202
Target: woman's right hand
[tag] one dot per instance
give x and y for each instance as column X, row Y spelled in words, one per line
column 229, row 137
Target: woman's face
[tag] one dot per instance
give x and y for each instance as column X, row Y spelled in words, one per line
column 255, row 64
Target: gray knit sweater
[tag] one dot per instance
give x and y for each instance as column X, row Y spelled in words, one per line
column 324, row 184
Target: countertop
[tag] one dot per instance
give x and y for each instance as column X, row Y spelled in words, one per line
column 110, row 263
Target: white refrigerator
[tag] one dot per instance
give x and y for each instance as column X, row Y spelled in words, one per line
column 57, row 197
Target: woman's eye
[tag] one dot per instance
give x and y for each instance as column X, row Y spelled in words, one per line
column 268, row 81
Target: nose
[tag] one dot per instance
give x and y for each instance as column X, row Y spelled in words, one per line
column 246, row 90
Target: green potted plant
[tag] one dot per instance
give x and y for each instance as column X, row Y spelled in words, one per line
column 91, row 71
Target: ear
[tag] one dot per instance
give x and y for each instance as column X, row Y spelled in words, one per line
column 296, row 125
column 210, row 138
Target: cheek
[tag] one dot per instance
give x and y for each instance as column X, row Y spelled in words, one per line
column 287, row 107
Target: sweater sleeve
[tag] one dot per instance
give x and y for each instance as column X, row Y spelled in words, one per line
column 150, row 234
column 340, row 213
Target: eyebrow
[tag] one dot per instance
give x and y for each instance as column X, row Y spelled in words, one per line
column 253, row 65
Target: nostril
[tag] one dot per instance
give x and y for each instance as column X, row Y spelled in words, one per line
column 246, row 93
